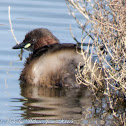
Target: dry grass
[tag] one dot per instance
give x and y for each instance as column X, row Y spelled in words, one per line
column 105, row 24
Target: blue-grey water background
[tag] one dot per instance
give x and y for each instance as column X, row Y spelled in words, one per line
column 25, row 16
column 37, row 106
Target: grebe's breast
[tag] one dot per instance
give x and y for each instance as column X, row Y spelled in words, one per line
column 54, row 65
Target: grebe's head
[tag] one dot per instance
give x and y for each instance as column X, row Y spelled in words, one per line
column 36, row 39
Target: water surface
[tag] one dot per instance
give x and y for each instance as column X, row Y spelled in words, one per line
column 17, row 104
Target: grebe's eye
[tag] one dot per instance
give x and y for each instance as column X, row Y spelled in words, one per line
column 33, row 40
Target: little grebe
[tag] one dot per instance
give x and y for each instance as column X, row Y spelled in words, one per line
column 50, row 63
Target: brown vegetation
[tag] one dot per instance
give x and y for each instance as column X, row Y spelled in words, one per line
column 104, row 26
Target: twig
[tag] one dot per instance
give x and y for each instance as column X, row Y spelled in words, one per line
column 11, row 29
column 73, row 35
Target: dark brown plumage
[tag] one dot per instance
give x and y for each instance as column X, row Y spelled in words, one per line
column 50, row 63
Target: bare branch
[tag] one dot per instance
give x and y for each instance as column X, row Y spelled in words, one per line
column 11, row 29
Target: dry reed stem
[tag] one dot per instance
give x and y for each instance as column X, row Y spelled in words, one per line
column 11, row 28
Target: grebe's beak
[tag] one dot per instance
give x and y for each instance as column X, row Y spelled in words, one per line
column 22, row 45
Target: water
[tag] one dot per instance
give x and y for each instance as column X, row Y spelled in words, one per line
column 23, row 105
column 19, row 106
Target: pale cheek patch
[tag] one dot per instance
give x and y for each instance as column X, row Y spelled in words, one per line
column 27, row 45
